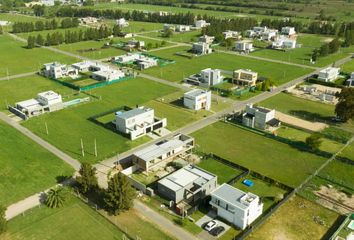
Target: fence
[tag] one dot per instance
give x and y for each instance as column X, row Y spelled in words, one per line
column 18, row 113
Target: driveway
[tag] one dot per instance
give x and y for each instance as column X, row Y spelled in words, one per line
column 206, row 218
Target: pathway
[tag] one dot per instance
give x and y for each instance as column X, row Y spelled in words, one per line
column 17, row 76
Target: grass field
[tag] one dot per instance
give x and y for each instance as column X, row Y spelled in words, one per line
column 185, row 66
column 185, row 37
column 16, row 59
column 24, row 172
column 348, row 152
column 339, row 172
column 16, row 18
column 295, row 221
column 68, row 126
column 348, row 67
column 136, row 26
column 20, row 89
column 45, row 32
column 224, row 172
column 302, row 55
column 269, row 157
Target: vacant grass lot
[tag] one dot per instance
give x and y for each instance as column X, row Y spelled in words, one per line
column 16, row 59
column 67, row 127
column 224, row 172
column 24, row 172
column 184, row 67
column 185, row 37
column 295, row 221
column 136, row 26
column 16, row 18
column 20, row 89
column 45, row 32
column 269, row 157
column 339, row 172
column 348, row 67
column 348, row 152
column 302, row 55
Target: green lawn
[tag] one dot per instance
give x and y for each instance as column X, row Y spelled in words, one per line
column 302, row 55
column 348, row 152
column 339, row 172
column 348, row 67
column 20, row 89
column 68, row 126
column 25, row 172
column 45, row 32
column 16, row 18
column 136, row 26
column 269, row 157
column 224, row 172
column 185, row 37
column 16, row 59
column 184, row 67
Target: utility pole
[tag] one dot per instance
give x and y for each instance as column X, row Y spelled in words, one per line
column 95, row 148
column 82, row 148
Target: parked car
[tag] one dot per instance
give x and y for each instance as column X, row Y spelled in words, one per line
column 210, row 225
column 216, row 231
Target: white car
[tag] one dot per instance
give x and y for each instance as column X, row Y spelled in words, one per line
column 210, row 225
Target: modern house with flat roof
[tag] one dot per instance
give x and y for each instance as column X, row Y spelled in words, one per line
column 206, row 39
column 138, row 122
column 158, row 155
column 182, row 28
column 245, row 77
column 201, row 48
column 107, row 75
column 207, row 77
column 329, row 74
column 236, row 206
column 44, row 102
column 284, row 43
column 244, row 46
column 197, row 99
column 259, row 117
column 350, row 82
column 57, row 70
column 121, row 22
column 188, row 184
column 90, row 66
column 200, row 24
column 288, row 31
column 140, row 60
column 231, row 34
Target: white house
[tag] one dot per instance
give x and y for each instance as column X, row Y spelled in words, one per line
column 45, row 102
column 121, row 22
column 57, row 70
column 230, row 34
column 138, row 122
column 88, row 20
column 284, row 43
column 201, row 48
column 48, row 3
column 255, row 32
column 243, row 46
column 167, row 27
column 288, row 31
column 328, row 74
column 183, row 28
column 269, row 34
column 207, row 77
column 4, row 23
column 259, row 117
column 201, row 23
column 107, row 75
column 141, row 61
column 132, row 43
column 197, row 99
column 206, row 39
column 236, row 206
column 350, row 81
column 245, row 77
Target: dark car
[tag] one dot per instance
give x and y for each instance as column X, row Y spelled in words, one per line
column 217, row 230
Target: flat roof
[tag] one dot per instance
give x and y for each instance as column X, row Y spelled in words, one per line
column 132, row 113
column 29, row 103
column 195, row 92
column 49, row 95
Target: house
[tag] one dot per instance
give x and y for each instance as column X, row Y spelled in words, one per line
column 167, row 27
column 201, row 48
column 284, row 43
column 140, row 60
column 48, row 3
column 235, row 206
column 268, row 35
column 138, row 122
column 245, row 77
column 288, row 31
column 188, row 184
column 244, row 46
column 158, row 155
column 328, row 74
column 135, row 44
column 107, row 75
column 163, row 13
column 48, row 101
column 206, row 39
column 259, row 117
column 182, row 28
column 57, row 70
column 201, row 23
column 207, row 77
column 88, row 20
column 32, row 4
column 231, row 34
column 350, row 81
column 255, row 32
column 197, row 99
column 121, row 22
column 4, row 23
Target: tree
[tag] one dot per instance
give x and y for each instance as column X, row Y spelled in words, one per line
column 345, row 106
column 314, row 141
column 314, row 55
column 167, row 33
column 87, row 180
column 1, row 30
column 31, row 42
column 324, row 50
column 38, row 10
column 119, row 194
column 2, row 219
column 55, row 197
column 40, row 40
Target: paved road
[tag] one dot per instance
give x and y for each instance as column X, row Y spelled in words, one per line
column 163, row 222
column 17, row 76
column 66, row 158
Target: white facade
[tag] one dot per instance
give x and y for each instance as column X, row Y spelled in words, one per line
column 122, row 22
column 4, row 23
column 48, row 3
column 138, row 122
column 107, row 75
column 183, row 28
column 197, row 99
column 243, row 46
column 201, row 23
column 49, row 98
column 201, row 48
column 236, row 206
column 141, row 61
column 288, row 31
column 135, row 44
column 284, row 43
column 230, row 34
column 328, row 74
column 210, row 76
column 56, row 70
column 259, row 117
column 207, row 39
column 268, row 34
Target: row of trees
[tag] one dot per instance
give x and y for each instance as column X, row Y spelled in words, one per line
column 326, row 49
column 57, row 38
column 40, row 25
